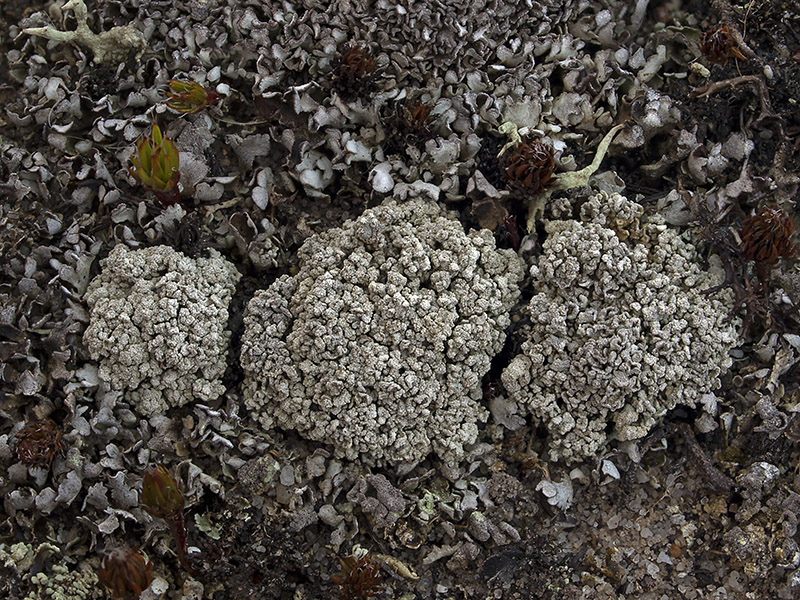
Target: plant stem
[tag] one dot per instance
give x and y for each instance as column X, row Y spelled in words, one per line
column 169, row 197
column 176, row 524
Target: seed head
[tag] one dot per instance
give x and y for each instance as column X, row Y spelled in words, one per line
column 529, row 167
column 767, row 237
column 126, row 573
column 38, row 443
column 359, row 578
column 189, row 97
column 156, row 165
column 161, row 493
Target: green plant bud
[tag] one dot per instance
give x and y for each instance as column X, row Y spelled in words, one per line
column 161, row 493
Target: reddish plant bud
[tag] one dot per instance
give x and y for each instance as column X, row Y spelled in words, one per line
column 529, row 167
column 512, row 229
column 189, row 97
column 38, row 443
column 359, row 578
column 125, row 573
column 161, row 493
column 162, row 497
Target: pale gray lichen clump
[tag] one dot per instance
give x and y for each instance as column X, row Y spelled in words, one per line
column 378, row 344
column 620, row 329
column 157, row 325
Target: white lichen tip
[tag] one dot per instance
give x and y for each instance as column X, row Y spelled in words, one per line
column 510, row 129
column 110, row 46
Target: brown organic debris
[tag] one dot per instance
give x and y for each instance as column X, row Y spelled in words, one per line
column 719, row 46
column 763, row 93
column 489, row 213
column 715, row 478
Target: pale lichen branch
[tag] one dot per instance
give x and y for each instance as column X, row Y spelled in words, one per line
column 572, row 179
column 110, row 46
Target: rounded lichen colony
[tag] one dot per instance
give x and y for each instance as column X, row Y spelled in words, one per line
column 378, row 344
column 158, row 325
column 620, row 330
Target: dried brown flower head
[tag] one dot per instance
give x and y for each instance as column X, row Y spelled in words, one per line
column 359, row 578
column 718, row 45
column 355, row 71
column 39, row 443
column 767, row 236
column 529, row 167
column 126, row 573
column 414, row 120
column 415, row 116
column 407, row 123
